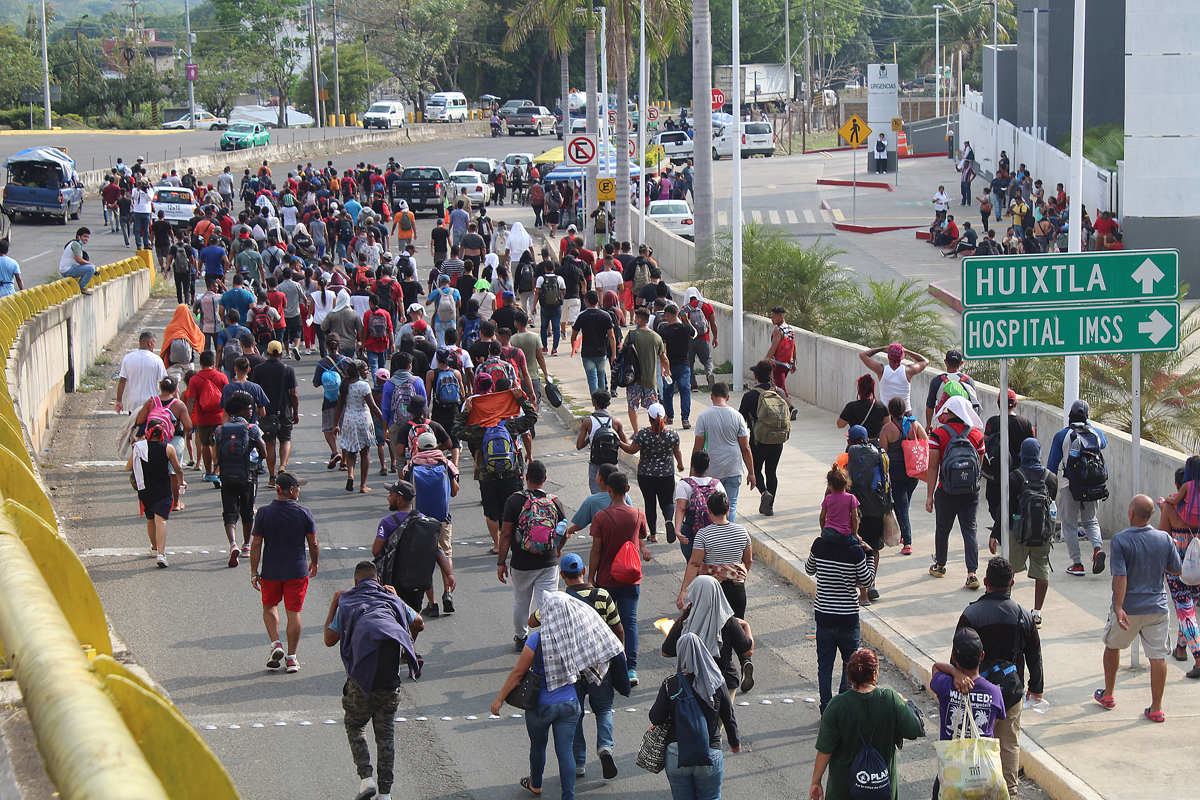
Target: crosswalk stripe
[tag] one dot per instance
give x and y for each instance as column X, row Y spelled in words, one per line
column 722, row 218
column 774, row 216
column 825, row 216
column 808, row 216
column 838, row 215
column 791, row 217
column 757, row 215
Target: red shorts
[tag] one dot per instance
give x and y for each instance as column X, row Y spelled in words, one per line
column 291, row 593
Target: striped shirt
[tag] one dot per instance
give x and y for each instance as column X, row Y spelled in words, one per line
column 840, row 569
column 722, row 544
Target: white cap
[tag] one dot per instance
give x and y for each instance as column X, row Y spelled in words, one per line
column 656, row 410
column 416, row 307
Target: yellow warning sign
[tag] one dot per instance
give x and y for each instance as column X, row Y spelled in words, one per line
column 897, row 123
column 854, row 131
column 606, row 190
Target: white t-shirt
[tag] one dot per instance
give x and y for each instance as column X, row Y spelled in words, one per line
column 485, row 303
column 142, row 202
column 288, row 213
column 683, row 489
column 142, row 370
column 361, row 303
column 541, row 278
column 608, row 280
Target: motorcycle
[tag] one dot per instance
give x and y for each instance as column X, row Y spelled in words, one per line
column 495, row 129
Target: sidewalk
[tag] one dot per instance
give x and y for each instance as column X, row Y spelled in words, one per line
column 1077, row 749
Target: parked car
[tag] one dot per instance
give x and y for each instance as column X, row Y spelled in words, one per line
column 477, row 186
column 479, row 164
column 204, row 122
column 578, row 125
column 421, row 187
column 245, row 134
column 511, row 106
column 513, row 159
column 177, row 204
column 758, row 139
column 677, row 145
column 530, row 120
column 674, row 215
column 41, row 181
column 385, row 114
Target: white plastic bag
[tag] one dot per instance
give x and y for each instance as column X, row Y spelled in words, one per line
column 1191, row 563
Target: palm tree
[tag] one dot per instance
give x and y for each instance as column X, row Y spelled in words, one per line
column 880, row 313
column 557, row 18
column 967, row 26
column 703, row 213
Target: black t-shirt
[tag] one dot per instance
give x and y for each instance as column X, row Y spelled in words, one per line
column 649, row 293
column 466, row 287
column 411, row 291
column 441, row 240
column 277, row 379
column 472, row 241
column 676, row 336
column 593, row 326
column 572, row 277
column 1019, row 429
column 479, row 351
column 628, row 270
column 512, row 512
column 871, row 414
column 505, row 317
column 163, row 233
column 124, row 206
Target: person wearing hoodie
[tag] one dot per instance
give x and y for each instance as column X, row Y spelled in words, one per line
column 345, row 322
column 1078, row 517
column 959, row 501
column 1019, row 552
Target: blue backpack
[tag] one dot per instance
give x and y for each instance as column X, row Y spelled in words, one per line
column 470, row 333
column 331, row 381
column 447, row 390
column 691, row 728
column 499, row 452
column 432, row 482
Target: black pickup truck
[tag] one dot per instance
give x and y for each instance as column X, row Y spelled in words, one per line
column 421, row 187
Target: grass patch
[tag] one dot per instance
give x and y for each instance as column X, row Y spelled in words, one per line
column 160, row 287
column 724, row 369
column 96, row 379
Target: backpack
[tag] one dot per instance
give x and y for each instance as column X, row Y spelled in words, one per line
column 331, row 382
column 691, row 727
column 524, row 277
column 773, row 421
column 208, row 400
column 868, row 775
column 1085, row 468
column 960, row 467
column 414, row 557
column 231, row 352
column 496, row 368
column 181, row 352
column 274, row 257
column 181, row 264
column 432, row 482
column 626, row 566
column 601, row 222
column 1032, row 523
column 869, row 479
column 535, row 526
column 1003, row 674
column 956, row 386
column 447, row 391
column 415, row 429
column 785, row 351
column 606, row 447
column 161, row 413
column 445, row 305
column 697, row 516
column 261, row 322
column 499, row 451
column 990, row 468
column 551, row 292
column 470, row 334
column 695, row 315
column 402, row 392
column 233, row 451
column 383, row 293
column 641, row 275
column 626, row 370
column 406, row 221
column 377, row 325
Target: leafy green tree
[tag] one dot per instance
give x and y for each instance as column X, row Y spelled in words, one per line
column 20, row 69
column 221, row 78
column 266, row 26
column 352, row 66
column 1103, row 145
column 776, row 271
column 881, row 312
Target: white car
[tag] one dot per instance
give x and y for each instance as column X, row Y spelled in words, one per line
column 480, row 164
column 758, row 139
column 513, row 159
column 674, row 215
column 478, row 189
column 177, row 204
column 204, row 122
column 677, row 145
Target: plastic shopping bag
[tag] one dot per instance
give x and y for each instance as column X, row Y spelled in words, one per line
column 969, row 764
column 916, row 457
column 891, row 530
column 1191, row 563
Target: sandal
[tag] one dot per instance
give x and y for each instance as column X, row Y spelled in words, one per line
column 526, row 783
column 1181, row 653
column 1157, row 716
column 1108, row 701
column 350, row 484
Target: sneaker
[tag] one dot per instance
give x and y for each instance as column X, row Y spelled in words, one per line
column 447, row 603
column 430, row 610
column 794, row 413
column 972, row 582
column 1037, row 618
column 191, row 462
column 366, row 789
column 245, row 551
column 580, row 771
column 747, row 677
column 276, row 656
column 209, row 478
column 162, row 561
column 296, row 353
column 670, row 531
column 1097, row 561
column 216, row 482
column 153, row 554
column 1076, row 570
column 610, row 766
column 519, row 643
column 937, row 570
column 554, row 352
column 766, row 504
column 293, row 664
column 711, row 381
column 872, row 593
column 234, row 555
column 271, row 482
column 633, row 680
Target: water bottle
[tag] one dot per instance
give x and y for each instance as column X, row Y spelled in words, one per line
column 1040, row 704
column 560, row 532
column 1054, row 526
column 255, row 466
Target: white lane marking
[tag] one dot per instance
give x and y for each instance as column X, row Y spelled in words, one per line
column 757, row 215
column 774, row 216
column 825, row 216
column 791, row 217
column 808, row 217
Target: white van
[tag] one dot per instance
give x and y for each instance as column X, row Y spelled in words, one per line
column 385, row 114
column 446, row 107
column 758, row 139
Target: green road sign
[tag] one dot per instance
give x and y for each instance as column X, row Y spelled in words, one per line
column 1104, row 277
column 1070, row 331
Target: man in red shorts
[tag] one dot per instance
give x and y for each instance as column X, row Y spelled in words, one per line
column 783, row 353
column 277, row 541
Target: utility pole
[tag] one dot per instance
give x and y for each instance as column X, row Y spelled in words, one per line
column 187, row 32
column 787, row 41
column 337, row 84
column 808, row 87
column 45, row 70
column 367, row 63
column 937, row 60
column 312, row 57
column 821, row 63
column 1036, row 62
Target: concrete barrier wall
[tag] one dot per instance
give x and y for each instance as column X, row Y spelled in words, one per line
column 238, row 160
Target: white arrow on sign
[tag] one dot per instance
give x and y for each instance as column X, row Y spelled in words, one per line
column 1158, row 326
column 1147, row 274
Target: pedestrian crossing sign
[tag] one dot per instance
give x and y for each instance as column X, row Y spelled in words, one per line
column 854, row 131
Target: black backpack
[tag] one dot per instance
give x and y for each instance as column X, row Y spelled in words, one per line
column 233, row 451
column 868, row 775
column 960, row 467
column 413, row 556
column 1085, row 467
column 868, row 479
column 990, row 468
column 524, row 276
column 626, row 370
column 383, row 293
column 606, row 447
column 1032, row 523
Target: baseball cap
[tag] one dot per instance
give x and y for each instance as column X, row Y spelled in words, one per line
column 967, row 645
column 426, row 441
column 571, row 564
column 444, row 355
column 656, row 410
column 402, row 488
column 286, row 480
column 1012, row 397
column 415, row 307
column 572, row 229
column 857, row 433
column 382, row 374
column 507, row 296
column 444, row 279
column 274, row 348
column 954, row 356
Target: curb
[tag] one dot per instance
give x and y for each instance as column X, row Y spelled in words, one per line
column 852, row 228
column 868, row 184
column 946, row 296
column 926, row 155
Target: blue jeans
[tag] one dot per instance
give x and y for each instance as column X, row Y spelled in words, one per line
column 732, row 487
column 686, row 547
column 694, row 783
column 538, row 722
column 440, row 328
column 551, row 319
column 126, row 224
column 376, row 360
column 596, row 370
column 831, row 641
column 141, row 230
column 902, row 492
column 626, row 598
column 681, row 379
column 82, row 273
column 601, row 700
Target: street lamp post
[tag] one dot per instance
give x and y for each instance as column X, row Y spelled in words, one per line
column 45, row 71
column 604, row 139
column 937, row 60
column 1036, row 13
column 643, row 106
column 1075, row 239
column 737, row 88
column 187, row 34
column 995, row 89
